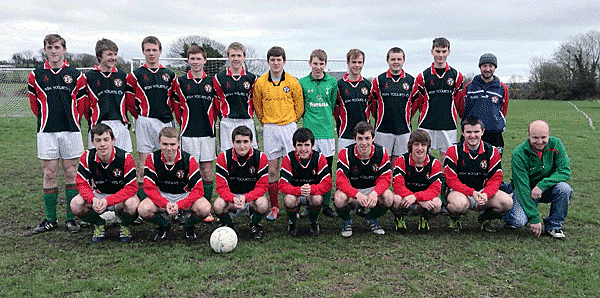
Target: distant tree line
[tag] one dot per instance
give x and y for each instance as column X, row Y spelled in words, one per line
column 573, row 72
column 27, row 59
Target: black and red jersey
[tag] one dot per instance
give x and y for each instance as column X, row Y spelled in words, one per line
column 106, row 95
column 247, row 175
column 422, row 182
column 181, row 177
column 195, row 99
column 354, row 173
column 296, row 172
column 149, row 91
column 390, row 102
column 352, row 105
column 57, row 97
column 116, row 178
column 466, row 172
column 234, row 94
column 437, row 96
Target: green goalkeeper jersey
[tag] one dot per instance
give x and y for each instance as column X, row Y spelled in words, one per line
column 319, row 102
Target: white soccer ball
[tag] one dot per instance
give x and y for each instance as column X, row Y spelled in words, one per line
column 111, row 218
column 223, row 239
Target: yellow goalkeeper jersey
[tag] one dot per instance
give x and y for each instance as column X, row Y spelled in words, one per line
column 278, row 103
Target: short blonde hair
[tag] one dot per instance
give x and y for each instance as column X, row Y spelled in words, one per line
column 320, row 54
column 52, row 38
column 169, row 132
column 354, row 54
column 236, row 46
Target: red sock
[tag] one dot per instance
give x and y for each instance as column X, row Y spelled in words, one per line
column 274, row 194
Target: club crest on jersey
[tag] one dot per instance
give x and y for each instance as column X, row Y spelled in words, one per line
column 364, row 90
column 386, row 85
column 427, row 176
column 180, row 174
column 68, row 79
column 188, row 87
column 495, row 99
column 98, row 84
column 166, row 77
column 246, row 85
column 46, row 79
column 117, row 173
column 146, row 78
column 405, row 86
column 355, row 169
column 374, row 168
column 118, row 82
column 229, row 86
column 483, row 164
column 286, row 89
column 314, row 171
column 450, row 81
column 252, row 170
column 208, row 88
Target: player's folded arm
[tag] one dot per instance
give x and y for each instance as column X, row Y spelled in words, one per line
column 150, row 187
column 343, row 184
column 450, row 169
column 323, row 187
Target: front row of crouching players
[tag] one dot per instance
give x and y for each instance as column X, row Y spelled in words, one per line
column 417, row 183
column 305, row 178
column 473, row 173
column 363, row 178
column 106, row 180
column 242, row 181
column 172, row 182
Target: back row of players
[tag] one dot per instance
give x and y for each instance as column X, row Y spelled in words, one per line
column 60, row 95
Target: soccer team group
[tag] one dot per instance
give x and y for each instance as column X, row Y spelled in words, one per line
column 177, row 179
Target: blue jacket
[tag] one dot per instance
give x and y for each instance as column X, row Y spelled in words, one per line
column 486, row 101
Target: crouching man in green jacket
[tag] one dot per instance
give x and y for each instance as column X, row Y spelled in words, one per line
column 540, row 169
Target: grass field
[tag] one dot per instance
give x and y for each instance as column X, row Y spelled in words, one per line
column 437, row 264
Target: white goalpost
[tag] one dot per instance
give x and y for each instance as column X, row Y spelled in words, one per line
column 296, row 67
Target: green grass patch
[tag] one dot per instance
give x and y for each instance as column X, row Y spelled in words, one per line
column 470, row 264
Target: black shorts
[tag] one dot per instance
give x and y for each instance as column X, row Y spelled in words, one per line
column 495, row 139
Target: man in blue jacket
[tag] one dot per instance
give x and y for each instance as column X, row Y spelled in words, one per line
column 486, row 98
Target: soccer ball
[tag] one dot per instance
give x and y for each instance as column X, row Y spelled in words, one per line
column 223, row 239
column 111, row 218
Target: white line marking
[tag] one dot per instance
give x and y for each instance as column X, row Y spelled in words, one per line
column 586, row 116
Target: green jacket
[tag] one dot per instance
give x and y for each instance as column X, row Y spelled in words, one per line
column 320, row 97
column 529, row 171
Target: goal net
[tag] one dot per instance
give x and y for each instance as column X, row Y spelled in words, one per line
column 14, row 100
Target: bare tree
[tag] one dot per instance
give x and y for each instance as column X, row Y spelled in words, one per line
column 468, row 78
column 81, row 59
column 573, row 72
column 257, row 67
column 551, row 81
column 213, row 48
column 25, row 59
column 580, row 57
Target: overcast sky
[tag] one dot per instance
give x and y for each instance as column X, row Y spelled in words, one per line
column 516, row 31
